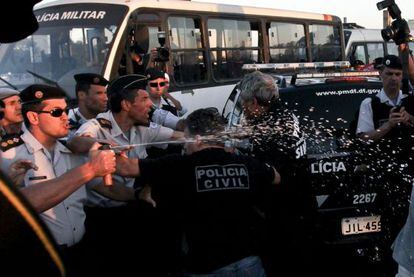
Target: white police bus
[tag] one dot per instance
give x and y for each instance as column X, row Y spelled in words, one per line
column 208, row 42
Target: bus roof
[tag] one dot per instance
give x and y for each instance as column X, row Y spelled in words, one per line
column 187, row 5
column 365, row 34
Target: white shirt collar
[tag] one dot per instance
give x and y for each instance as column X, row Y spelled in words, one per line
column 116, row 130
column 33, row 145
column 385, row 99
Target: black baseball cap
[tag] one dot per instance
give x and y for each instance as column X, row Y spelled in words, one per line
column 40, row 92
column 153, row 73
column 132, row 81
column 91, row 78
column 392, row 61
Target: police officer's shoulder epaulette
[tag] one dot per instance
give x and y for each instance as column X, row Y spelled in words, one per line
column 151, row 111
column 64, row 142
column 105, row 123
column 10, row 141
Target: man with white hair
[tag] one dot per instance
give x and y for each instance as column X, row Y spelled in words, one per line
column 278, row 140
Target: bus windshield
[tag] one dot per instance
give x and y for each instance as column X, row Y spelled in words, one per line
column 70, row 39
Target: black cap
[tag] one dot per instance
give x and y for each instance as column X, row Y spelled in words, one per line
column 378, row 62
column 132, row 81
column 39, row 92
column 392, row 61
column 153, row 73
column 91, row 78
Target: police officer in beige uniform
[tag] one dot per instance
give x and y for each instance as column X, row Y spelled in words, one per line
column 11, row 123
column 92, row 99
column 126, row 122
column 56, row 188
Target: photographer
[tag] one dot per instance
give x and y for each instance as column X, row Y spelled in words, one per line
column 375, row 124
column 399, row 32
column 140, row 59
column 157, row 58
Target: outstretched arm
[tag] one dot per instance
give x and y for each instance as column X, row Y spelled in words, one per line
column 405, row 48
column 127, row 167
column 175, row 102
column 48, row 194
column 80, row 144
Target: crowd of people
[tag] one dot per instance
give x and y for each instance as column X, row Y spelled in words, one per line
column 115, row 206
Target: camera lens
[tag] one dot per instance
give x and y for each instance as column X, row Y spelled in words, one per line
column 388, row 33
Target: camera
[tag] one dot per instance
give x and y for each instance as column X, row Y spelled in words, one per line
column 163, row 54
column 399, row 31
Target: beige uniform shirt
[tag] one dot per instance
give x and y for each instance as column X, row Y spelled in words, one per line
column 66, row 219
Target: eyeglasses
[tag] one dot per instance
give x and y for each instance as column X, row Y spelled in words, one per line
column 155, row 84
column 57, row 112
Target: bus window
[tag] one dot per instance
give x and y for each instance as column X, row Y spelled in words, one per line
column 146, row 27
column 287, row 42
column 359, row 53
column 392, row 48
column 325, row 43
column 65, row 44
column 375, row 50
column 232, row 44
column 188, row 57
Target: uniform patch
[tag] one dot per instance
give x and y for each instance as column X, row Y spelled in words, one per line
column 10, row 141
column 37, row 178
column 105, row 123
column 38, row 94
column 222, row 177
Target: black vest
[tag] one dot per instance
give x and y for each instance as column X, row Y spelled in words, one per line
column 400, row 139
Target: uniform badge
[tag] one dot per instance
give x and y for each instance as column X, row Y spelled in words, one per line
column 387, row 62
column 105, row 123
column 38, row 94
column 10, row 141
column 96, row 80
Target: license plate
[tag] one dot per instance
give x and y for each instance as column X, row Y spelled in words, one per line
column 360, row 225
